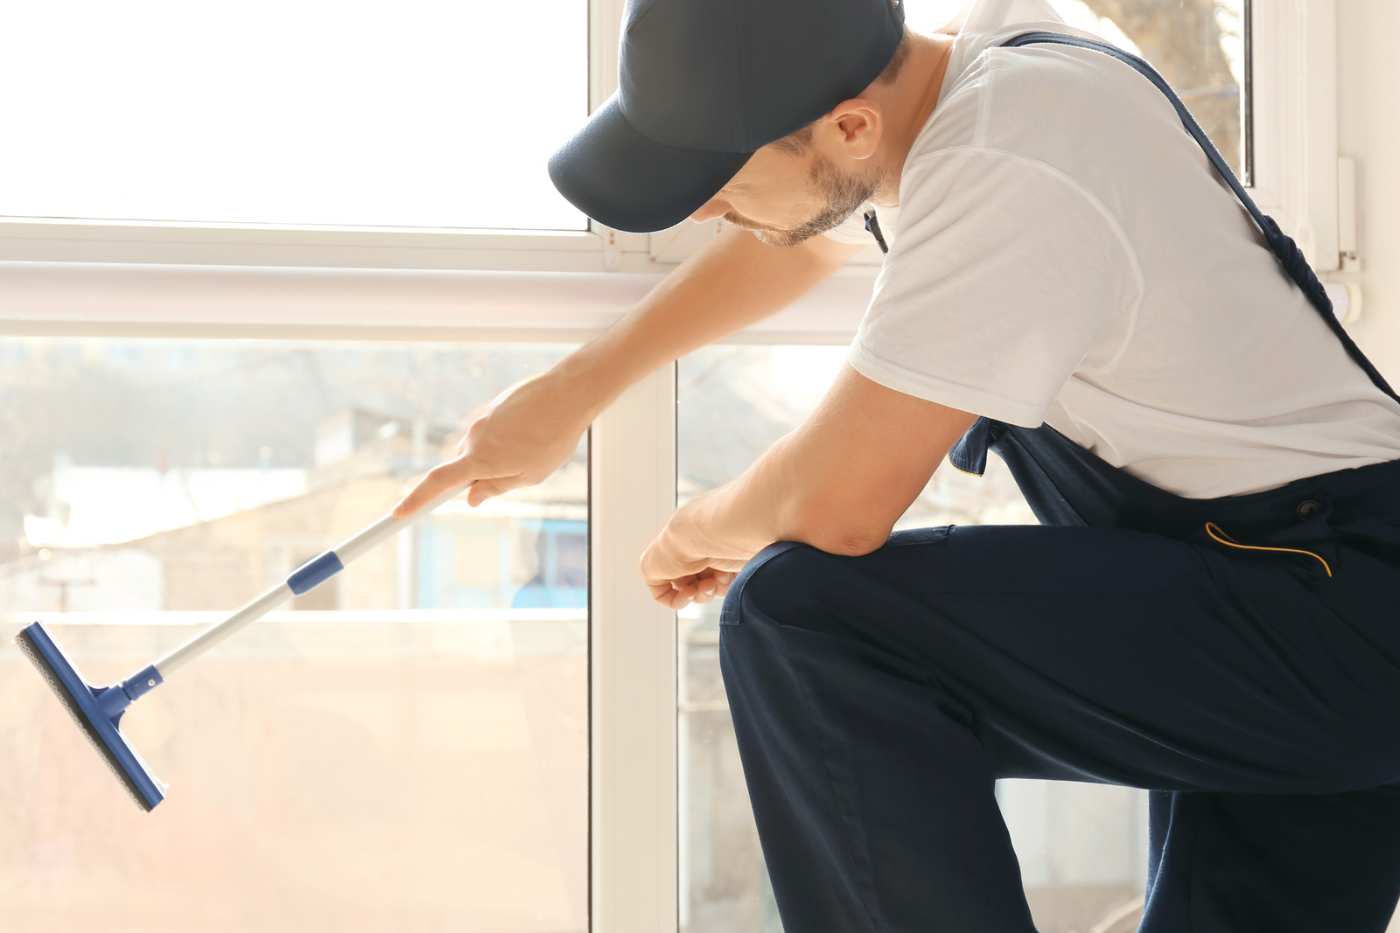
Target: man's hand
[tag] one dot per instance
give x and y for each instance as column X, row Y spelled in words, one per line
column 681, row 564
column 518, row 439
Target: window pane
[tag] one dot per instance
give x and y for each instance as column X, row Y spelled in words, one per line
column 1199, row 46
column 406, row 113
column 401, row 748
column 1082, row 847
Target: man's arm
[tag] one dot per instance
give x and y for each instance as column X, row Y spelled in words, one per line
column 733, row 281
column 532, row 427
column 842, row 479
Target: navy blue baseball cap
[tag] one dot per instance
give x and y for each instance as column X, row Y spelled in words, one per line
column 702, row 84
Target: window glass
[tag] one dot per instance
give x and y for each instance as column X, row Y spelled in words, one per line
column 401, row 748
column 411, row 113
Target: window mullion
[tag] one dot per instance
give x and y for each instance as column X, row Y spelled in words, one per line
column 1294, row 85
column 633, row 799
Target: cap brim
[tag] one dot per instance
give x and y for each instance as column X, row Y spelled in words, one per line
column 629, row 182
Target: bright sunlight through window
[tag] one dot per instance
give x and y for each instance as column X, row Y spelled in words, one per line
column 415, row 113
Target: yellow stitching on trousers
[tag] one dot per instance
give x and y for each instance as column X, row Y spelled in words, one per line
column 1257, row 547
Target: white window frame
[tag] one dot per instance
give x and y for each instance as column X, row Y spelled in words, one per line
column 64, row 279
column 1294, row 104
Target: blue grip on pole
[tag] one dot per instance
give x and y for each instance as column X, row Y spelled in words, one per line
column 142, row 683
column 311, row 573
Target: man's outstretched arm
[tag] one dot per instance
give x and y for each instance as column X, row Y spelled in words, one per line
column 841, row 479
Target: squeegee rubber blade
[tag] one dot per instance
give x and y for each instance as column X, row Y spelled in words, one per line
column 78, row 699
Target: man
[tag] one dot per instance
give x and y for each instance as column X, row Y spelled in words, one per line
column 1074, row 280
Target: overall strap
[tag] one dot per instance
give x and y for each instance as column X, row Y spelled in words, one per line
column 1282, row 245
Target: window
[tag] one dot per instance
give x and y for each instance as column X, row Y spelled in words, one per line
column 375, row 135
column 410, row 755
column 82, row 298
column 415, row 113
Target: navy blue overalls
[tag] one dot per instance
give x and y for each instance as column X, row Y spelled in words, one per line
column 1238, row 657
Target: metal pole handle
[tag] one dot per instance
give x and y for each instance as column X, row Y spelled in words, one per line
column 305, row 578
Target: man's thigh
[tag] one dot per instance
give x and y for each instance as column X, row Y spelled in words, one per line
column 1105, row 655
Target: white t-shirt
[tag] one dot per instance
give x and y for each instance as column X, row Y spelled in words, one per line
column 1064, row 252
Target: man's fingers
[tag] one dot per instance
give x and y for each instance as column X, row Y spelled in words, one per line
column 665, row 595
column 484, row 489
column 407, row 505
column 444, row 476
column 697, row 587
column 481, row 490
column 451, row 475
column 414, row 501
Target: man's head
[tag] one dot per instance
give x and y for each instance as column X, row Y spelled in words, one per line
column 751, row 94
column 809, row 181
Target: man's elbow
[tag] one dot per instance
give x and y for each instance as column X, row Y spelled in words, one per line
column 828, row 530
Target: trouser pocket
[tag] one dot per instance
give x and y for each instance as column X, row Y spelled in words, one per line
column 1320, row 557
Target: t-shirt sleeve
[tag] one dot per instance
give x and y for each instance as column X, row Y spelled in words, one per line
column 1003, row 275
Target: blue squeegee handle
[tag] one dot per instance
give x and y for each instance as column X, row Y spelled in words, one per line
column 304, row 578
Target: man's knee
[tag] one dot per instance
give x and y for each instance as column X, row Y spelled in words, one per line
column 771, row 578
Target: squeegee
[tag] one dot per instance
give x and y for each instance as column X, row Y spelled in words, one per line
column 98, row 710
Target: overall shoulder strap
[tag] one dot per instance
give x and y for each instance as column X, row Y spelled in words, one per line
column 1282, row 245
column 1266, row 223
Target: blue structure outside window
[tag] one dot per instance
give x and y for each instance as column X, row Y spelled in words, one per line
column 560, row 578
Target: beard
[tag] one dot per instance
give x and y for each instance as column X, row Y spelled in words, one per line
column 844, row 194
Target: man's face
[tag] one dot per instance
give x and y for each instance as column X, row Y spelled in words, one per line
column 787, row 197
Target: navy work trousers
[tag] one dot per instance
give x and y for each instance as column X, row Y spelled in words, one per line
column 875, row 698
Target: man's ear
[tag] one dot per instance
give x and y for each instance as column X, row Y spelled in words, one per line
column 858, row 125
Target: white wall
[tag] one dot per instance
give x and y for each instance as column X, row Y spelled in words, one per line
column 1368, row 130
